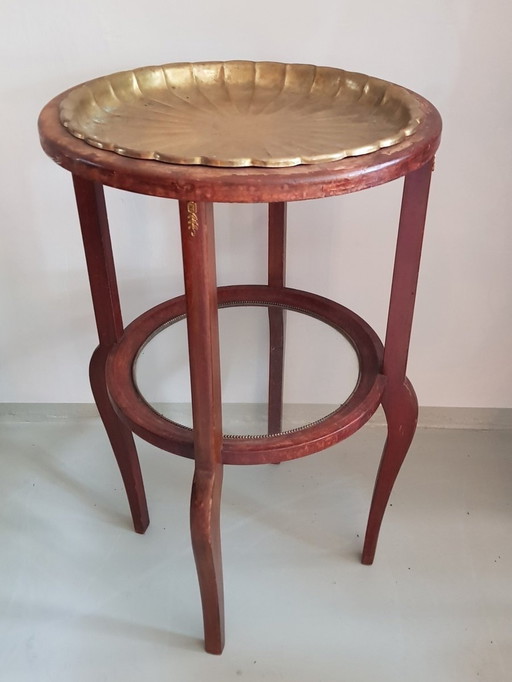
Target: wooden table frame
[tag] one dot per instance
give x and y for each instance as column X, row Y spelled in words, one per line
column 382, row 367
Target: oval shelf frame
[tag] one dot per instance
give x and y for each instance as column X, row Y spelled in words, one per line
column 164, row 433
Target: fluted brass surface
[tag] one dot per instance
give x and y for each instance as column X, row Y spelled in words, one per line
column 240, row 113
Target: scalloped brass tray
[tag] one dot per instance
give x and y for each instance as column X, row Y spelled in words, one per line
column 240, row 113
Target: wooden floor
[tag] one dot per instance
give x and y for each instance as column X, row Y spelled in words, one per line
column 83, row 598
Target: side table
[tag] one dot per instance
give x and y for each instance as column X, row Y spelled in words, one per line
column 382, row 375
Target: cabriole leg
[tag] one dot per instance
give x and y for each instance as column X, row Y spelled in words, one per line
column 197, row 234
column 102, row 277
column 399, row 400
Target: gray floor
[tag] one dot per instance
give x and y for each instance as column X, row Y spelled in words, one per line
column 86, row 599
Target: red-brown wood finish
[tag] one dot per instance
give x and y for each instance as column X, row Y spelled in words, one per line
column 102, row 277
column 178, row 439
column 382, row 378
column 198, row 246
column 399, row 400
column 276, row 316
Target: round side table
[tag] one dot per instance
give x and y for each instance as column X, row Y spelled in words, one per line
column 382, row 376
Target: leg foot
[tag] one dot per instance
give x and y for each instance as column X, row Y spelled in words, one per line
column 205, row 530
column 401, row 409
column 121, row 440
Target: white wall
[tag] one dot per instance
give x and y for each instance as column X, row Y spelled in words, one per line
column 455, row 52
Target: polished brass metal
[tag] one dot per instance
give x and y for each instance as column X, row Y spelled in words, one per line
column 192, row 219
column 240, row 113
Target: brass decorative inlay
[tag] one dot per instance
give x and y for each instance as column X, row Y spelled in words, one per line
column 240, row 113
column 192, row 219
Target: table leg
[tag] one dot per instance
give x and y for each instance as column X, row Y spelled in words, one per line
column 197, row 234
column 276, row 278
column 102, row 278
column 399, row 400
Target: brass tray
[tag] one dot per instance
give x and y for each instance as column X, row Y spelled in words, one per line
column 240, row 113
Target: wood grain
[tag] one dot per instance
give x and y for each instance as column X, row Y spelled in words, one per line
column 276, row 316
column 107, row 310
column 198, row 247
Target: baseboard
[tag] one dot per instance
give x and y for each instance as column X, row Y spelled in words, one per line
column 251, row 417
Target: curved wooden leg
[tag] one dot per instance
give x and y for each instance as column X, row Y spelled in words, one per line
column 205, row 530
column 204, row 358
column 107, row 310
column 399, row 400
column 401, row 409
column 121, row 440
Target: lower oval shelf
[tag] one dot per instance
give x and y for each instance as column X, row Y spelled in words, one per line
column 178, row 439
